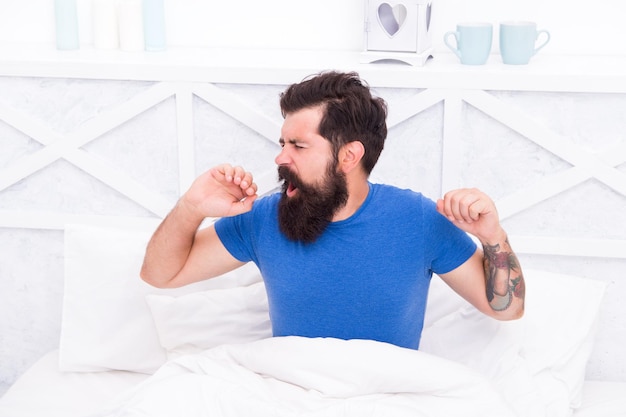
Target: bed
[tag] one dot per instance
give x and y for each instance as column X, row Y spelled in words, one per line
column 96, row 147
column 128, row 349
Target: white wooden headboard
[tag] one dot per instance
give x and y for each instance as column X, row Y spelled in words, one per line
column 115, row 139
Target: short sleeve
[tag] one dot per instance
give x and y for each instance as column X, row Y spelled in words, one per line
column 231, row 231
column 449, row 247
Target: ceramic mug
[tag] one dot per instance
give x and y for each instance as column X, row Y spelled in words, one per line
column 473, row 42
column 518, row 41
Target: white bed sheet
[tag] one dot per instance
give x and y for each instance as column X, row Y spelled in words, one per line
column 45, row 391
column 603, row 399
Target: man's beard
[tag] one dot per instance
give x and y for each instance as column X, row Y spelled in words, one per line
column 304, row 216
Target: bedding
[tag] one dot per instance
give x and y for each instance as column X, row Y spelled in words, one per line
column 117, row 332
column 550, row 345
column 290, row 376
column 44, row 390
column 603, row 399
column 103, row 295
column 205, row 319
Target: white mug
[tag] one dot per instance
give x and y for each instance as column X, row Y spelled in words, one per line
column 518, row 41
column 473, row 42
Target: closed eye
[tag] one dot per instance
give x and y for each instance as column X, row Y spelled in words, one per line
column 296, row 144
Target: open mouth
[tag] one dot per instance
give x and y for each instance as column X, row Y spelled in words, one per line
column 290, row 182
column 291, row 189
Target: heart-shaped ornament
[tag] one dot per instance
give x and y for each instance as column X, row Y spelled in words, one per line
column 391, row 18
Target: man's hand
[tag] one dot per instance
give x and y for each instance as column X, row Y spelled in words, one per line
column 179, row 253
column 222, row 191
column 472, row 211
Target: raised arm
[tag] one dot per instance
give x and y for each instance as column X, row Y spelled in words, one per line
column 179, row 253
column 492, row 278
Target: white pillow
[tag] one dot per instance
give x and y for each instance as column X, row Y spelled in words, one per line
column 442, row 301
column 195, row 322
column 545, row 352
column 561, row 317
column 106, row 322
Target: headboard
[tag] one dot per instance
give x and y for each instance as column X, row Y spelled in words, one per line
column 116, row 139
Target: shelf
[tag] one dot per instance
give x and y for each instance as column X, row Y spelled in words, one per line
column 602, row 74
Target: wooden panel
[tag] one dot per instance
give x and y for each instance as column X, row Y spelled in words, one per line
column 585, row 164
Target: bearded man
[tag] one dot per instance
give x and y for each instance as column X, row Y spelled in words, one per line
column 340, row 256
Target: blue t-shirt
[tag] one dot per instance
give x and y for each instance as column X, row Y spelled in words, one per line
column 366, row 277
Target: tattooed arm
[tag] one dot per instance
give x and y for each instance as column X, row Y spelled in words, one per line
column 492, row 278
column 503, row 275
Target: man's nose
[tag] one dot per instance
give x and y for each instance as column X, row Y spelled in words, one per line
column 282, row 158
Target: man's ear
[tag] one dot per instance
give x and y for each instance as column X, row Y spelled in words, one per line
column 350, row 155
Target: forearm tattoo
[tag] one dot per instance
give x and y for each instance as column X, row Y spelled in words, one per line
column 503, row 276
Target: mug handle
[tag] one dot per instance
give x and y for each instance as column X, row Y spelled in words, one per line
column 539, row 32
column 446, row 38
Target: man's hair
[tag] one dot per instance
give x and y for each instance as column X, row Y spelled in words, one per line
column 350, row 112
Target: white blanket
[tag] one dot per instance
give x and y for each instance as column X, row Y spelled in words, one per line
column 293, row 376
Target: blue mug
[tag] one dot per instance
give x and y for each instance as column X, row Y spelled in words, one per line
column 473, row 42
column 518, row 41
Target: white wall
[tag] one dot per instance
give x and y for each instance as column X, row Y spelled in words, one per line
column 577, row 27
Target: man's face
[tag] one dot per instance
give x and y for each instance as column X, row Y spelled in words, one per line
column 313, row 187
